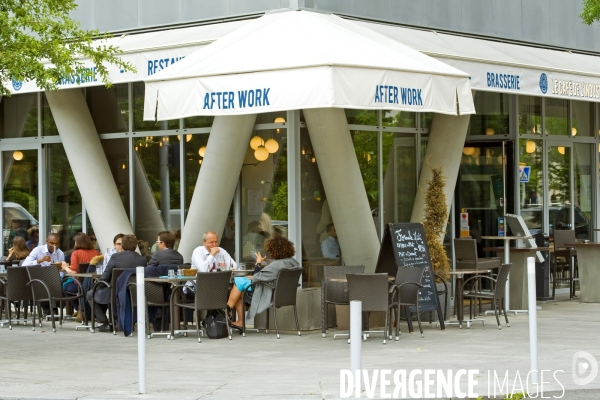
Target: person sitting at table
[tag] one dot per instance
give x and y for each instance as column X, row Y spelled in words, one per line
column 18, row 251
column 117, row 248
column 33, row 234
column 210, row 257
column 83, row 252
column 330, row 247
column 46, row 254
column 165, row 255
column 281, row 252
column 127, row 258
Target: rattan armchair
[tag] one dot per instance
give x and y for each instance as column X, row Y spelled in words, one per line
column 16, row 289
column 375, row 294
column 496, row 295
column 561, row 260
column 46, row 286
column 212, row 292
column 334, row 289
column 155, row 297
column 285, row 289
column 408, row 286
column 112, row 285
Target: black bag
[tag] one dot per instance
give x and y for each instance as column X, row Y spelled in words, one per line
column 215, row 324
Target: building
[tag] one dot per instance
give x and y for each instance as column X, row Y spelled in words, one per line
column 531, row 147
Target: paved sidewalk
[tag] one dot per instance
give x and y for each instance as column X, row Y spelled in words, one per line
column 79, row 365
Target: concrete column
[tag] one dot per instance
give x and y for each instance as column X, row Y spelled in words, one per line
column 444, row 149
column 217, row 180
column 342, row 180
column 88, row 162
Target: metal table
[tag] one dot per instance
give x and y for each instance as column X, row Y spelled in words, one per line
column 458, row 296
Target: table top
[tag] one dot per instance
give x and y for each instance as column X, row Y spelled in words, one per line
column 470, row 271
column 507, row 237
column 84, row 275
column 517, row 249
column 581, row 244
column 390, row 278
column 175, row 279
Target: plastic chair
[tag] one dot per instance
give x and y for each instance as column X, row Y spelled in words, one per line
column 334, row 289
column 46, row 286
column 212, row 292
column 285, row 289
column 375, row 293
column 496, row 296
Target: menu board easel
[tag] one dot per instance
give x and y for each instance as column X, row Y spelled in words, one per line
column 405, row 246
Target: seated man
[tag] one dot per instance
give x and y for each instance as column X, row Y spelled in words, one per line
column 46, row 254
column 330, row 246
column 127, row 258
column 210, row 257
column 165, row 255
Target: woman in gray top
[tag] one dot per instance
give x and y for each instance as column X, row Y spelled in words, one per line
column 281, row 252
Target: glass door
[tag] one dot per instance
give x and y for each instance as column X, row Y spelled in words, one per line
column 20, row 196
column 558, row 194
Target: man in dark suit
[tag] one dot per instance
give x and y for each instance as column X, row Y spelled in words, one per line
column 127, row 258
column 165, row 255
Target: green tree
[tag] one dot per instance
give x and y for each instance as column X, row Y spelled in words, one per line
column 591, row 11
column 40, row 42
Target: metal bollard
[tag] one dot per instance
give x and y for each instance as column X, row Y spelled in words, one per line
column 533, row 351
column 141, row 326
column 355, row 341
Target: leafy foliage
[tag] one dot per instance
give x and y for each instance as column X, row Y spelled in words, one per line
column 591, row 11
column 436, row 218
column 40, row 42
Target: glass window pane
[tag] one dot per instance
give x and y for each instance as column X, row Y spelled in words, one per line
column 48, row 125
column 583, row 189
column 109, row 108
column 531, row 193
column 530, row 114
column 157, row 186
column 583, row 118
column 559, row 188
column 365, row 146
column 402, row 119
column 117, row 155
column 361, row 117
column 426, row 119
column 557, row 117
column 20, row 203
column 264, row 193
column 64, row 200
column 399, row 176
column 199, row 122
column 491, row 116
column 19, row 116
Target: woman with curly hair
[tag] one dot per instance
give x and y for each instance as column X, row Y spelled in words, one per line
column 281, row 252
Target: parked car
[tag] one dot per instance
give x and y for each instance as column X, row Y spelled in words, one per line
column 16, row 222
column 558, row 217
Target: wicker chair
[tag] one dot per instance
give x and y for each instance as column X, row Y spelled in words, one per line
column 561, row 259
column 16, row 289
column 372, row 290
column 46, row 286
column 334, row 289
column 212, row 292
column 496, row 296
column 112, row 312
column 408, row 286
column 285, row 289
column 155, row 297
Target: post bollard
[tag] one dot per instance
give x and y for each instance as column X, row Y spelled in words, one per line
column 355, row 341
column 141, row 327
column 533, row 351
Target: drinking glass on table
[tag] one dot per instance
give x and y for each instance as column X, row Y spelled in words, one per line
column 179, row 272
column 171, row 274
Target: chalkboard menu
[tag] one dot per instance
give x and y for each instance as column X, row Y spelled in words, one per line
column 405, row 246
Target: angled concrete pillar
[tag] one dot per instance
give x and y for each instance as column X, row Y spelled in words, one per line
column 444, row 149
column 342, row 180
column 217, row 180
column 88, row 162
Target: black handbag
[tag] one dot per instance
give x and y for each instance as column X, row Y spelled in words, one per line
column 215, row 324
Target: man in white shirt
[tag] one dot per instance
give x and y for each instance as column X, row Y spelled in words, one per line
column 210, row 257
column 330, row 246
column 46, row 254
